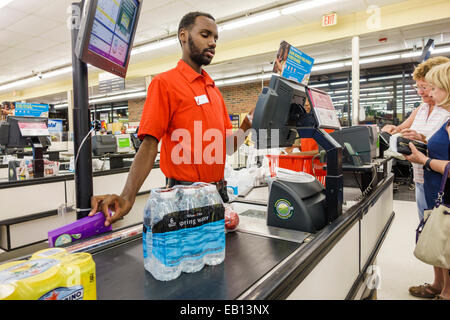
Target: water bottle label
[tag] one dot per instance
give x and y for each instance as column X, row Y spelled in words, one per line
column 144, row 241
column 189, row 219
column 189, row 235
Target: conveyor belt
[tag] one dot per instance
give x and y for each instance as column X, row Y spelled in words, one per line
column 121, row 274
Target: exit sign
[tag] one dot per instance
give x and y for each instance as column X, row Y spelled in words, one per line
column 329, row 20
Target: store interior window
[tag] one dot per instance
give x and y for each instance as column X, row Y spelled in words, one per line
column 387, row 94
column 114, row 116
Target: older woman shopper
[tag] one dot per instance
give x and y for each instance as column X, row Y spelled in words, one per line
column 434, row 165
column 422, row 122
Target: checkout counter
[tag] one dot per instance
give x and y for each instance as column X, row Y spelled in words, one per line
column 30, row 208
column 265, row 261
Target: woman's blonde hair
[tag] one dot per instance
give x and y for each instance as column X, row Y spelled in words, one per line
column 422, row 69
column 439, row 76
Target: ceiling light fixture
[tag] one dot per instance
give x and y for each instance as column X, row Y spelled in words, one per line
column 4, row 3
column 379, row 59
column 155, row 45
column 441, row 50
column 56, row 73
column 303, row 6
column 328, row 66
column 249, row 20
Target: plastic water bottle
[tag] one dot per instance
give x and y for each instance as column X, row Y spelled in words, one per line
column 215, row 245
column 192, row 234
column 161, row 239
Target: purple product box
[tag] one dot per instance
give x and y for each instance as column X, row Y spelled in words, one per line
column 80, row 229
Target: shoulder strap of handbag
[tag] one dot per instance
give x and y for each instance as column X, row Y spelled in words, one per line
column 443, row 182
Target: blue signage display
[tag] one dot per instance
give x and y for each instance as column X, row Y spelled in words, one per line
column 31, row 110
column 293, row 64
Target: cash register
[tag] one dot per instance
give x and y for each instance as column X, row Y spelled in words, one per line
column 301, row 204
column 22, row 132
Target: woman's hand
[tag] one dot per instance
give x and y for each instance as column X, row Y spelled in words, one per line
column 413, row 135
column 416, row 156
column 389, row 128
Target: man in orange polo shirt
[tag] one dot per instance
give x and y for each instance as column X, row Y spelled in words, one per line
column 185, row 110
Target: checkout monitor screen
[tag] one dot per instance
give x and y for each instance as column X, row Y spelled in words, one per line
column 107, row 32
column 123, row 143
column 22, row 127
column 111, row 31
column 278, row 110
column 323, row 109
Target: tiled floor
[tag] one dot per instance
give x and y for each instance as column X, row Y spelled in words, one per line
column 399, row 269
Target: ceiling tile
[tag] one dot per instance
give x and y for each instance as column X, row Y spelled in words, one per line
column 37, row 44
column 13, row 55
column 61, row 35
column 10, row 16
column 31, row 6
column 32, row 25
column 56, row 11
column 10, row 38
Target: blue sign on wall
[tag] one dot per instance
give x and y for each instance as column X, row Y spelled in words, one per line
column 55, row 125
column 31, row 110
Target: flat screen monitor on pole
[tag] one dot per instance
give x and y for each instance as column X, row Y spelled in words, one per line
column 17, row 132
column 324, row 110
column 106, row 34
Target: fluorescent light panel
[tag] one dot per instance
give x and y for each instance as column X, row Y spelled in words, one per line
column 249, row 20
column 303, row 6
column 4, row 3
column 155, row 45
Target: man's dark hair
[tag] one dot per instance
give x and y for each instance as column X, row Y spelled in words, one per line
column 189, row 19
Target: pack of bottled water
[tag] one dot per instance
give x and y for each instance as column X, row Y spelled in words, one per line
column 184, row 229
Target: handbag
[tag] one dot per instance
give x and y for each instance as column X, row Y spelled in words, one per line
column 433, row 233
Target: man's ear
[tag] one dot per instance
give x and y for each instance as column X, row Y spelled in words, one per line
column 183, row 36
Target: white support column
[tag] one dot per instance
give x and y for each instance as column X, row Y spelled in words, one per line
column 355, row 81
column 70, row 113
column 148, row 79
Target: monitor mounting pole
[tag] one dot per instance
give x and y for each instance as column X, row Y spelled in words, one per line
column 81, row 123
column 334, row 183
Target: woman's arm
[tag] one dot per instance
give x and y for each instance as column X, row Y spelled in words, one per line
column 418, row 157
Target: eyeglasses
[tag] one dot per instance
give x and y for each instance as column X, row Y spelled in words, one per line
column 422, row 88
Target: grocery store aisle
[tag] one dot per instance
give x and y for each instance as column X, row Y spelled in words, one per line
column 398, row 267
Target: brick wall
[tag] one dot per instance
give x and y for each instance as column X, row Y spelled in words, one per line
column 238, row 99
column 135, row 109
column 242, row 97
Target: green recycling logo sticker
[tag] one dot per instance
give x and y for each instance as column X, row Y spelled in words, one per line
column 284, row 209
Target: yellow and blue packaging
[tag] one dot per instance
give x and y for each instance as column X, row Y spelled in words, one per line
column 50, row 274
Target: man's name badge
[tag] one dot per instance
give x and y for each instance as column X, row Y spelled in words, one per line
column 201, row 99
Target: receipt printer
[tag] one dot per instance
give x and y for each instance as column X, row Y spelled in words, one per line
column 298, row 204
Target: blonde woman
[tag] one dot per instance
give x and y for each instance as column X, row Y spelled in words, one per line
column 434, row 165
column 422, row 123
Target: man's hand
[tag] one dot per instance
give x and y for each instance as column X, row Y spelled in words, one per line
column 413, row 135
column 140, row 169
column 110, row 202
column 389, row 128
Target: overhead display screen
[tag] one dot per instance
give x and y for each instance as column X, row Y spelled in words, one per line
column 112, row 29
column 106, row 34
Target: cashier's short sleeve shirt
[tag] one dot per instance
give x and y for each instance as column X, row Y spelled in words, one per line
column 186, row 112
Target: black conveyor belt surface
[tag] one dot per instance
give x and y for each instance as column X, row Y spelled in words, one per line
column 121, row 274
